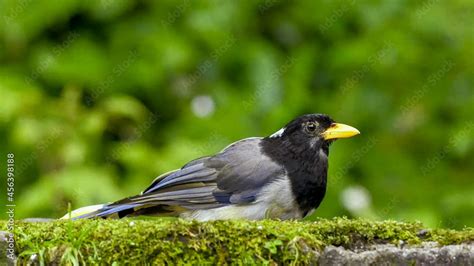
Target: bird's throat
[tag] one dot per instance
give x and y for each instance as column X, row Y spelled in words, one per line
column 306, row 168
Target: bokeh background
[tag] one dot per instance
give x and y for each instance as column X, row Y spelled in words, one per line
column 99, row 97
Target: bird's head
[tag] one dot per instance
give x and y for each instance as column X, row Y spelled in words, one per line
column 314, row 129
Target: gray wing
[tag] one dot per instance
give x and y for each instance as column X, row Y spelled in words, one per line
column 243, row 170
column 235, row 175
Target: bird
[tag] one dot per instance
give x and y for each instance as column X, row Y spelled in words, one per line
column 281, row 176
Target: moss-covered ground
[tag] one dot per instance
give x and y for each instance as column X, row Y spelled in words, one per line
column 182, row 242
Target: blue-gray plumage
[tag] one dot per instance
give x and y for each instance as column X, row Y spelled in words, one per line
column 280, row 176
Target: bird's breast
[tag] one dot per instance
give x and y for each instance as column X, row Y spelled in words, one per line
column 308, row 183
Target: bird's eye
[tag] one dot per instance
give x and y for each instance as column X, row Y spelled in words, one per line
column 311, row 127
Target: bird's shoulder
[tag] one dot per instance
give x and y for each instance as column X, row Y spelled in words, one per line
column 236, row 152
column 241, row 166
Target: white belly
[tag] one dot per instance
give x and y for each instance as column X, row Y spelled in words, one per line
column 274, row 201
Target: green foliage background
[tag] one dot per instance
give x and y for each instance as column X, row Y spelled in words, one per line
column 96, row 96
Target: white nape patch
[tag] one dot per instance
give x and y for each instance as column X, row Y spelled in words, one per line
column 278, row 134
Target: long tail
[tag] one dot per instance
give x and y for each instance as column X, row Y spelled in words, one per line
column 101, row 210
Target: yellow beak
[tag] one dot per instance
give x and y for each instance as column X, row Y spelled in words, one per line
column 339, row 131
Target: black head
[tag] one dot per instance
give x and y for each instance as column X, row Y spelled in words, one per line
column 314, row 130
column 302, row 147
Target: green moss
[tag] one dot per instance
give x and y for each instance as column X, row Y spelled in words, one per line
column 241, row 242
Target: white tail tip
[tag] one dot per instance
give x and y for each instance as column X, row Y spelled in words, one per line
column 82, row 211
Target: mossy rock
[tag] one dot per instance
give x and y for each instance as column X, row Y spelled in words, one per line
column 159, row 241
